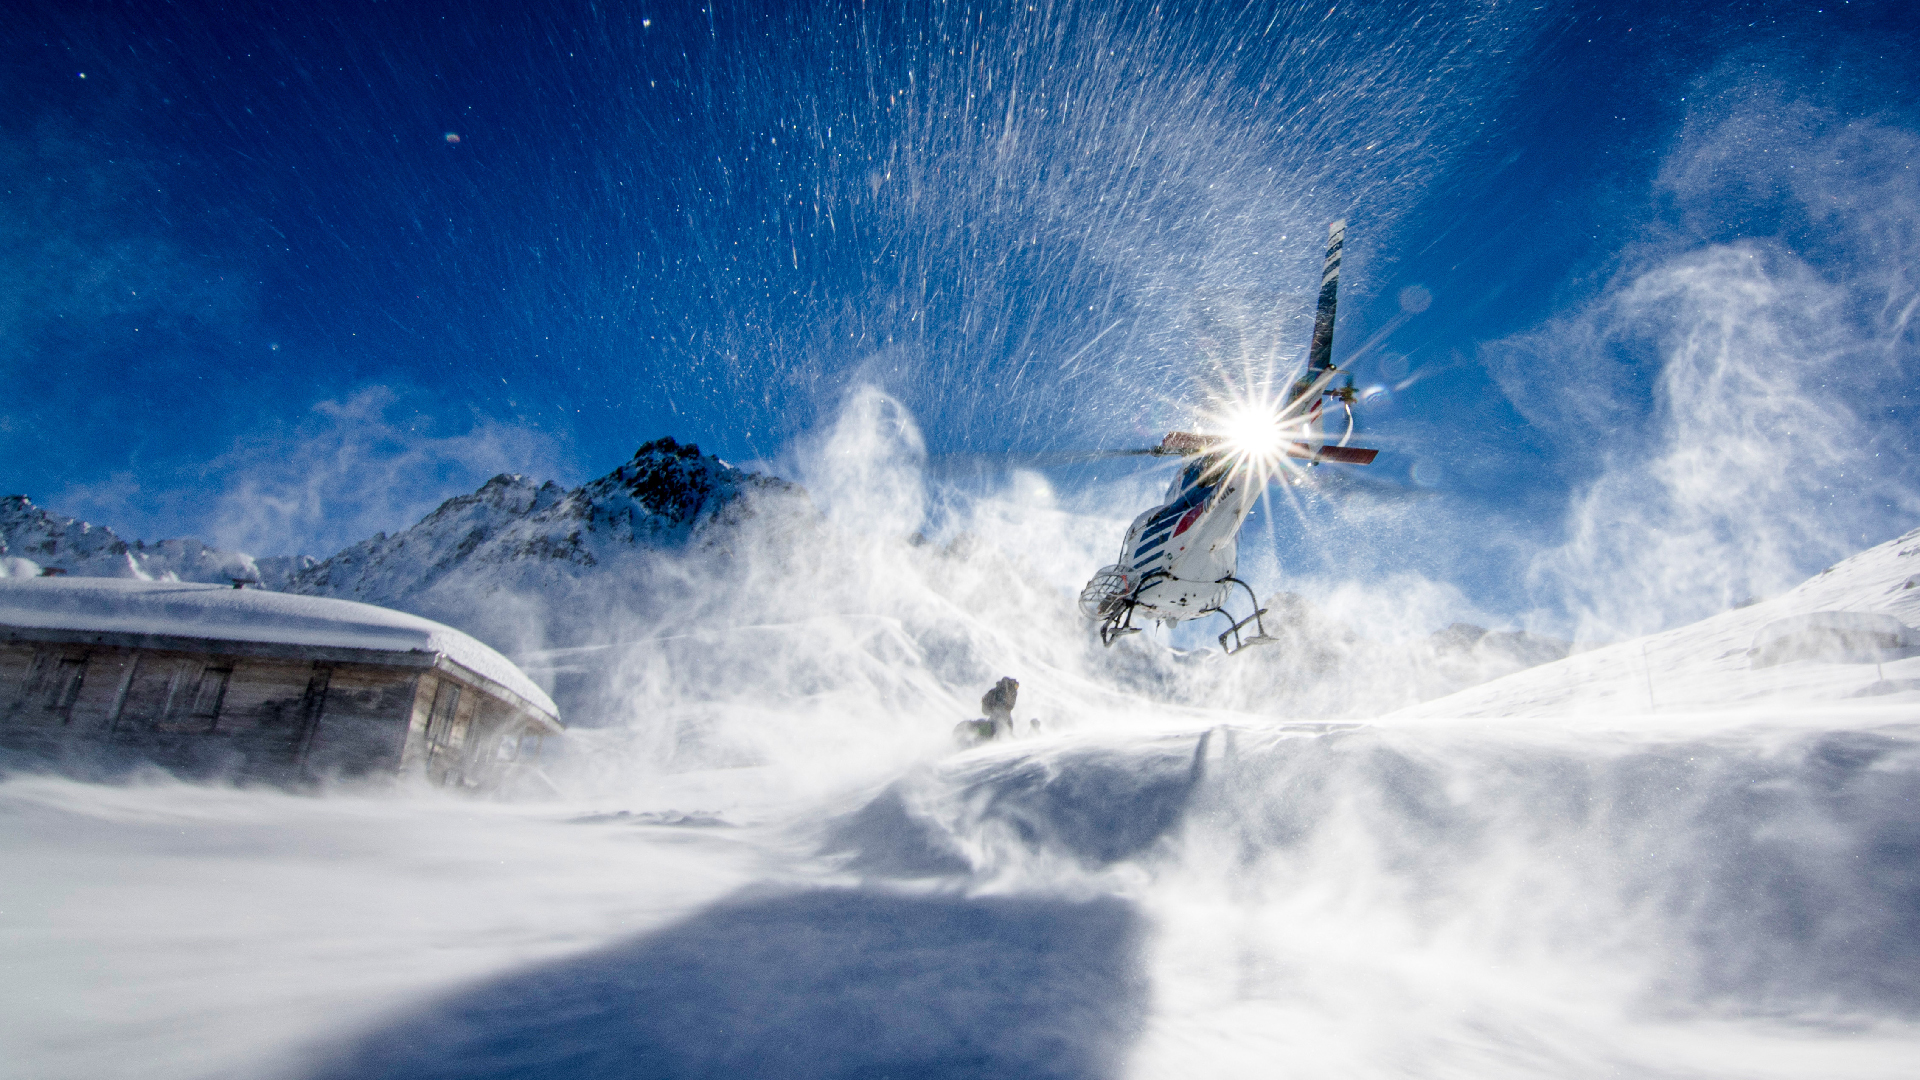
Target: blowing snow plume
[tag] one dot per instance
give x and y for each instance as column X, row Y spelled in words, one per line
column 859, row 622
column 1729, row 393
column 836, row 639
column 700, row 615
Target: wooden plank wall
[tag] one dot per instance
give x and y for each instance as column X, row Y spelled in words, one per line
column 269, row 717
column 364, row 725
column 475, row 742
column 205, row 710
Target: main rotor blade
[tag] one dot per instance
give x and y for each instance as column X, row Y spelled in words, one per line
column 1346, row 455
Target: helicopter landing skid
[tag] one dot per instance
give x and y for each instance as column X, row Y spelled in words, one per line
column 1118, row 622
column 1118, row 625
column 1259, row 636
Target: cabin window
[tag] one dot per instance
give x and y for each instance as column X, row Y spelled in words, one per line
column 60, row 681
column 314, row 701
column 441, row 733
column 209, row 694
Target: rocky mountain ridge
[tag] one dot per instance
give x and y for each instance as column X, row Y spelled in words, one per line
column 510, row 533
column 515, row 534
column 34, row 540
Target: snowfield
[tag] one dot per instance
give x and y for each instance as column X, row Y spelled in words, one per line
column 1649, row 859
column 1706, row 667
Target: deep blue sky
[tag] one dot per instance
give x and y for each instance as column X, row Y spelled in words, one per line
column 245, row 260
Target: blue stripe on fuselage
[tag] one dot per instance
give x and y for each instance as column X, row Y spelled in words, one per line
column 1159, row 528
column 1173, row 511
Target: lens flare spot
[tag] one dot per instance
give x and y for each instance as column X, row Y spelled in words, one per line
column 1251, row 430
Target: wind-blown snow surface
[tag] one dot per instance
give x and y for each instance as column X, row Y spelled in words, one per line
column 774, row 865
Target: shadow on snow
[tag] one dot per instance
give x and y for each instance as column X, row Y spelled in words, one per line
column 841, row 983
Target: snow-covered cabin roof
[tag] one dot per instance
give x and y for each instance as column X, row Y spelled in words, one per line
column 189, row 610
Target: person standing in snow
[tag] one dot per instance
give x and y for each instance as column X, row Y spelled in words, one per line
column 998, row 705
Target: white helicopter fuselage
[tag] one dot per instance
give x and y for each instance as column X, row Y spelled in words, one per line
column 1178, row 559
column 1180, row 555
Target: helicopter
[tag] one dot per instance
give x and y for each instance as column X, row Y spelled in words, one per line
column 1178, row 559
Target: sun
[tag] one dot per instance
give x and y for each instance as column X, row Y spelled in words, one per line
column 1250, row 429
column 1263, row 435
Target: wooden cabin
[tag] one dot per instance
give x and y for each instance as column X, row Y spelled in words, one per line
column 208, row 679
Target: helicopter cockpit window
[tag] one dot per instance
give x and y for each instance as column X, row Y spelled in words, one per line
column 1188, row 477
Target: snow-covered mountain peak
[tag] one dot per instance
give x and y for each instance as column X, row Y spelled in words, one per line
column 506, row 496
column 40, row 538
column 515, row 538
column 672, row 480
column 33, row 539
column 513, row 494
